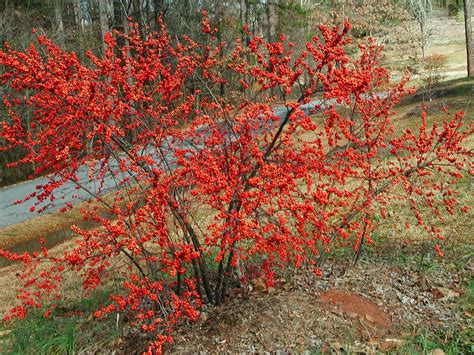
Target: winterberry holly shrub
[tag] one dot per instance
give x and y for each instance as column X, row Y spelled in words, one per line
column 298, row 156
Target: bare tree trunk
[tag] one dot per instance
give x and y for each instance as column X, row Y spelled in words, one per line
column 423, row 38
column 423, row 21
column 468, row 30
column 58, row 17
column 78, row 13
column 83, row 18
column 243, row 17
column 104, row 22
column 272, row 19
column 110, row 9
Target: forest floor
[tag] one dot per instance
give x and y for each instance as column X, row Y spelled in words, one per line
column 399, row 298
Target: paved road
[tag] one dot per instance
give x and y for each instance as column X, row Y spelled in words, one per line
column 11, row 213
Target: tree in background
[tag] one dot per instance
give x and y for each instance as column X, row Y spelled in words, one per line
column 369, row 18
column 104, row 21
column 421, row 10
column 468, row 30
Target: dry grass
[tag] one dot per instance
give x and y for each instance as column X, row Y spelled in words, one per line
column 41, row 226
column 55, row 226
column 446, row 37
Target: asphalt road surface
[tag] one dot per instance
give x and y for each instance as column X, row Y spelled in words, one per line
column 12, row 213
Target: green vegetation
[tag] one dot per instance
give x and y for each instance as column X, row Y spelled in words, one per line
column 452, row 341
column 64, row 331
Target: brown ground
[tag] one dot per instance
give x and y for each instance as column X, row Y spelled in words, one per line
column 365, row 309
column 372, row 307
column 353, row 305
